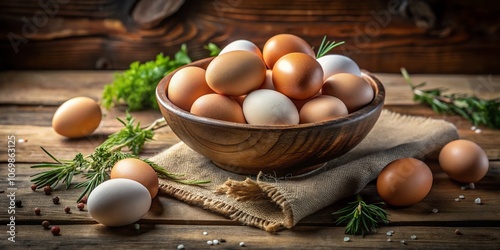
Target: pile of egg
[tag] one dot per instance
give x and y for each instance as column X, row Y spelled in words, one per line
column 284, row 84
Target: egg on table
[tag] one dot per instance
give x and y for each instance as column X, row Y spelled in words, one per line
column 137, row 170
column 404, row 182
column 464, row 161
column 118, row 202
column 77, row 117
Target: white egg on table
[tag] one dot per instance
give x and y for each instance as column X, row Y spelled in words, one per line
column 335, row 64
column 119, row 202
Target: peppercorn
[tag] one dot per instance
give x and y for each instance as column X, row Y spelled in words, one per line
column 80, row 206
column 67, row 209
column 47, row 190
column 84, row 199
column 33, row 187
column 46, row 224
column 55, row 199
column 55, row 230
column 19, row 203
column 37, row 211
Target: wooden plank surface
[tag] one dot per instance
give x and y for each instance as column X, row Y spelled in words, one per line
column 170, row 222
column 453, row 36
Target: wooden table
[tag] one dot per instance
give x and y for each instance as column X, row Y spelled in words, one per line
column 28, row 100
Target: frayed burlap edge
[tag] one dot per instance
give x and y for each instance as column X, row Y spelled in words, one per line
column 234, row 189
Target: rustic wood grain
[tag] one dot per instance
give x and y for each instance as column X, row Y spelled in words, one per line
column 171, row 222
column 103, row 34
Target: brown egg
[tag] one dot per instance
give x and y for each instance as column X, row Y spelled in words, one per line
column 187, row 85
column 322, row 108
column 217, row 106
column 77, row 117
column 282, row 44
column 297, row 76
column 464, row 161
column 137, row 170
column 235, row 73
column 404, row 182
column 353, row 90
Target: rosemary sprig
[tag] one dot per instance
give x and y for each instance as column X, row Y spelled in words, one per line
column 361, row 218
column 326, row 46
column 477, row 111
column 96, row 166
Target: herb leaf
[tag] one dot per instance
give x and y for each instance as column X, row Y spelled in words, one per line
column 136, row 86
column 477, row 111
column 96, row 166
column 361, row 218
column 326, row 47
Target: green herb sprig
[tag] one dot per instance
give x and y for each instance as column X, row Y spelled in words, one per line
column 361, row 218
column 96, row 166
column 477, row 111
column 136, row 86
column 326, row 46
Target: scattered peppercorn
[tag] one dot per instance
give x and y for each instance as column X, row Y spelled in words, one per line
column 47, row 190
column 67, row 209
column 19, row 203
column 55, row 199
column 55, row 230
column 80, row 206
column 37, row 211
column 46, row 224
column 33, row 187
column 458, row 232
column 84, row 199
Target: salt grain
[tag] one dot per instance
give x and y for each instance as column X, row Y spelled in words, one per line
column 477, row 131
column 458, row 232
column 457, row 199
column 216, row 242
column 461, row 197
column 435, row 210
column 137, row 226
column 346, row 239
column 473, row 128
column 413, row 237
column 403, row 242
column 472, row 185
column 179, row 247
column 209, row 242
column 389, row 239
column 478, row 201
column 205, row 233
column 389, row 233
column 463, row 187
column 242, row 244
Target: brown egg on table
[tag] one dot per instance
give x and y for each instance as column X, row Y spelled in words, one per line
column 137, row 170
column 235, row 73
column 187, row 85
column 464, row 161
column 282, row 44
column 220, row 107
column 351, row 89
column 297, row 75
column 404, row 182
column 322, row 108
column 77, row 117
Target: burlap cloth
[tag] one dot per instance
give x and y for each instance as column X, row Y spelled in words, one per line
column 273, row 204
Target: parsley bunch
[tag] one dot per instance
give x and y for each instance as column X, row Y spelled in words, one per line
column 136, row 86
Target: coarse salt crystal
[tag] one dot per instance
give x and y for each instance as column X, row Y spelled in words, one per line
column 209, row 242
column 472, row 185
column 242, row 244
column 180, row 246
column 435, row 210
column 478, row 201
column 461, row 197
column 205, row 233
column 457, row 199
column 413, row 237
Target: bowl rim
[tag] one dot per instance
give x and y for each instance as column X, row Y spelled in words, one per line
column 162, row 98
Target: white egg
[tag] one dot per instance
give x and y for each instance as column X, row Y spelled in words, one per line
column 119, row 202
column 242, row 45
column 269, row 107
column 334, row 64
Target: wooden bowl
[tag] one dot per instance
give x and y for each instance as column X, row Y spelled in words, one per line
column 281, row 150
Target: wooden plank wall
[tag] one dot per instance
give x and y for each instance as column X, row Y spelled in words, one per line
column 431, row 36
